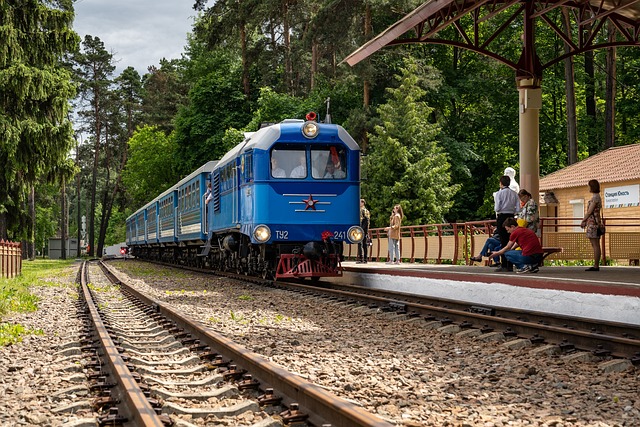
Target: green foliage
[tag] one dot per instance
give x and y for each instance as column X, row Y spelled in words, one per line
column 116, row 231
column 11, row 333
column 150, row 165
column 406, row 164
column 35, row 132
column 216, row 104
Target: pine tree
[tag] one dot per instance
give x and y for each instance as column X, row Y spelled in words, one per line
column 405, row 164
column 35, row 133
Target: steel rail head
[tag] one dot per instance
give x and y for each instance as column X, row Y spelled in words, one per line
column 134, row 403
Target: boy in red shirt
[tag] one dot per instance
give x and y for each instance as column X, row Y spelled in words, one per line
column 526, row 260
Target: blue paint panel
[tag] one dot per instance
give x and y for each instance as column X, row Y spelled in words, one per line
column 190, row 208
column 166, row 218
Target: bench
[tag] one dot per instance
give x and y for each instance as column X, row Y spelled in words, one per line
column 546, row 251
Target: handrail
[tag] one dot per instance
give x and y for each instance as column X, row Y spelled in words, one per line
column 436, row 242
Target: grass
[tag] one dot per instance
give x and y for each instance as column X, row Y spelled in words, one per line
column 15, row 296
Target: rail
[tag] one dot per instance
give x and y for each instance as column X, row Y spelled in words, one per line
column 456, row 242
column 10, row 259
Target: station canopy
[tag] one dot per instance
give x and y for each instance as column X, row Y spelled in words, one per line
column 586, row 27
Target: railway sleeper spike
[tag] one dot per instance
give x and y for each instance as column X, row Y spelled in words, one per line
column 445, row 321
column 269, row 398
column 209, row 356
column 566, row 347
column 99, row 403
column 112, row 420
column 510, row 333
column 233, row 373
column 199, row 347
column 99, row 386
column 601, row 352
column 248, row 383
column 537, row 339
column 218, row 362
column 94, row 375
column 465, row 325
column 486, row 329
column 293, row 414
column 635, row 359
column 164, row 418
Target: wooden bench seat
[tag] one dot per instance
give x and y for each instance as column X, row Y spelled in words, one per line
column 546, row 251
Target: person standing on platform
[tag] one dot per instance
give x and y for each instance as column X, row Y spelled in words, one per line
column 395, row 222
column 511, row 173
column 592, row 223
column 529, row 215
column 365, row 216
column 506, row 206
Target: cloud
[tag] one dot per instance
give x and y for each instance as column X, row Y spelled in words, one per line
column 138, row 33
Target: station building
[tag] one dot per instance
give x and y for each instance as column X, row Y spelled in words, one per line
column 565, row 195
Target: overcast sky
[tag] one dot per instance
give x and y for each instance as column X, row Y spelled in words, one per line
column 137, row 32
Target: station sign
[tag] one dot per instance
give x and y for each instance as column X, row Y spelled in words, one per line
column 622, row 197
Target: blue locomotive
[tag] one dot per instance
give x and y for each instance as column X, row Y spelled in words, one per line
column 280, row 204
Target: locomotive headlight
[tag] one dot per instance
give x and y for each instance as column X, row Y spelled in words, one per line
column 356, row 234
column 262, row 233
column 310, row 129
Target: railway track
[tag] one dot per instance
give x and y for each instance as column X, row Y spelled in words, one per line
column 160, row 368
column 565, row 334
column 584, row 338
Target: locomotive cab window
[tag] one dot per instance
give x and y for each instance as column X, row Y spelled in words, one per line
column 329, row 162
column 288, row 163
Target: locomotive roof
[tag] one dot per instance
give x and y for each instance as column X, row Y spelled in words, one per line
column 264, row 138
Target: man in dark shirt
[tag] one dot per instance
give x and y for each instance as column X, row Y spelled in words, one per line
column 507, row 204
column 527, row 259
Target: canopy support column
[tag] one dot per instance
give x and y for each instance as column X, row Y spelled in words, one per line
column 530, row 102
column 528, row 80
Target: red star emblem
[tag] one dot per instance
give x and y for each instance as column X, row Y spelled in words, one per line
column 310, row 203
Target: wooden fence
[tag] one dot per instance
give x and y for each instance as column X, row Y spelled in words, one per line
column 456, row 242
column 10, row 259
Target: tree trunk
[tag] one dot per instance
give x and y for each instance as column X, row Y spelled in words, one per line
column 105, row 194
column 590, row 102
column 31, row 241
column 79, row 236
column 3, row 227
column 288, row 69
column 245, row 61
column 94, row 177
column 610, row 101
column 570, row 93
column 314, row 63
column 63, row 222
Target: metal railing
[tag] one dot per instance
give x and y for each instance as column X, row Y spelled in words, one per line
column 451, row 243
column 10, row 259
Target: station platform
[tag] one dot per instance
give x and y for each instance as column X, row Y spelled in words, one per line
column 613, row 293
